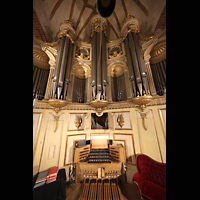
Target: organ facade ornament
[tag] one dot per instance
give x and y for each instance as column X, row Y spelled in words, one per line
column 114, row 62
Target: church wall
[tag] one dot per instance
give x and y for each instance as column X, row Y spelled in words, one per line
column 54, row 137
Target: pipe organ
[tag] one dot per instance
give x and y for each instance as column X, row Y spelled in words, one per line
column 87, row 72
column 102, row 69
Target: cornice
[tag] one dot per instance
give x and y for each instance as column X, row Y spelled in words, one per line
column 159, row 100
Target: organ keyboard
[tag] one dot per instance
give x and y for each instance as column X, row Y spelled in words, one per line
column 89, row 158
column 99, row 167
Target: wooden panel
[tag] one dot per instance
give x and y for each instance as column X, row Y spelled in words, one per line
column 130, row 148
column 99, row 143
column 37, row 117
column 162, row 113
column 72, row 126
column 69, row 148
column 149, row 138
column 51, row 150
column 127, row 122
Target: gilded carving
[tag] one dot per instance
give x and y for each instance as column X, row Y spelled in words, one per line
column 130, row 24
column 67, row 29
column 78, row 121
column 115, row 51
column 120, row 120
column 158, row 52
column 40, row 58
column 83, row 53
column 98, row 23
column 56, row 118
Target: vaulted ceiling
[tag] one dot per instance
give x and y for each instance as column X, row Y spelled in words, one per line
column 48, row 14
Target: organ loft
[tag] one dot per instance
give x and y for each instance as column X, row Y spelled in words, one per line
column 99, row 94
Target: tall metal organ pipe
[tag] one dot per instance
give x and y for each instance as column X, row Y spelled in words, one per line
column 104, row 67
column 67, row 74
column 63, row 67
column 57, row 67
column 99, row 66
column 141, row 62
column 137, row 69
column 61, row 76
column 130, row 65
column 94, row 63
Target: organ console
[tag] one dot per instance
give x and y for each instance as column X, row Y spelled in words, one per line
column 98, row 165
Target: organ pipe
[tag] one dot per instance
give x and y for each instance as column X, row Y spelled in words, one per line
column 104, row 66
column 135, row 63
column 57, row 67
column 67, row 74
column 61, row 78
column 63, row 67
column 93, row 71
column 99, row 65
column 130, row 66
column 40, row 77
column 141, row 62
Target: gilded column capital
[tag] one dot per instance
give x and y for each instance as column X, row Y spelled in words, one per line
column 97, row 26
column 67, row 29
column 129, row 24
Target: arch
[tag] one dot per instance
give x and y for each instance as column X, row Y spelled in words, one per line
column 81, row 70
column 116, row 68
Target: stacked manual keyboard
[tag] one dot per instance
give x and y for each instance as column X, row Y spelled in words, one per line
column 99, row 156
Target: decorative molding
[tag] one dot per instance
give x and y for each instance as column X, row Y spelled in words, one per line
column 158, row 52
column 149, row 43
column 42, row 104
column 115, row 51
column 40, row 58
column 78, row 121
column 116, row 68
column 81, row 70
column 82, row 53
column 144, row 118
column 120, row 120
column 67, row 29
column 56, row 118
column 96, row 23
column 129, row 24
